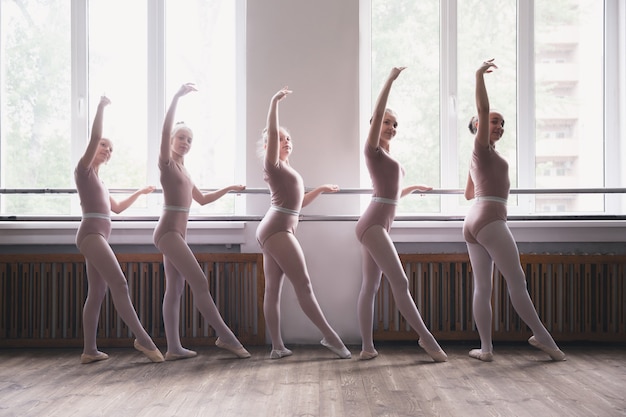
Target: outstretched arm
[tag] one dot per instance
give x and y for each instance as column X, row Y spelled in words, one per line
column 168, row 122
column 417, row 187
column 96, row 134
column 316, row 192
column 373, row 137
column 482, row 102
column 272, row 151
column 206, row 198
column 119, row 206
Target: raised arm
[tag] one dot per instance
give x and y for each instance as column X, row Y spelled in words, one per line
column 206, row 198
column 272, row 151
column 309, row 196
column 119, row 206
column 96, row 134
column 168, row 122
column 373, row 137
column 482, row 102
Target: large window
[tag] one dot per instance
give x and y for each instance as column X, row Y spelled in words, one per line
column 58, row 57
column 556, row 71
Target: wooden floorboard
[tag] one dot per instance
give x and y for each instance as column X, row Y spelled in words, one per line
column 402, row 381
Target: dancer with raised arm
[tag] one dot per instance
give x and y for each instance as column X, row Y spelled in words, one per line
column 378, row 252
column 103, row 269
column 282, row 253
column 487, row 234
column 179, row 262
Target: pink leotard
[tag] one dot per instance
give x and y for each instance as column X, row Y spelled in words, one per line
column 95, row 204
column 386, row 174
column 287, row 191
column 177, row 195
column 490, row 174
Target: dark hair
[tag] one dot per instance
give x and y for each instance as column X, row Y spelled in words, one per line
column 472, row 125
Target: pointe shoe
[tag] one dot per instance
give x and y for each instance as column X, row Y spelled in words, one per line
column 241, row 352
column 86, row 358
column 280, row 353
column 342, row 352
column 170, row 356
column 480, row 355
column 366, row 356
column 436, row 355
column 555, row 354
column 154, row 355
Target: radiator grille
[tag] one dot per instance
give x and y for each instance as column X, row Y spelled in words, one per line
column 42, row 297
column 578, row 297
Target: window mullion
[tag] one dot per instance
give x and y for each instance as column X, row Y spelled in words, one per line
column 526, row 102
column 156, row 82
column 79, row 97
column 449, row 155
column 240, row 132
column 614, row 103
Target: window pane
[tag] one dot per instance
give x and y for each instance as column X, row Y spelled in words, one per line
column 406, row 33
column 35, row 125
column 486, row 29
column 569, row 103
column 201, row 48
column 118, row 69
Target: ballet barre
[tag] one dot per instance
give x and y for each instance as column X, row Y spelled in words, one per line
column 436, row 191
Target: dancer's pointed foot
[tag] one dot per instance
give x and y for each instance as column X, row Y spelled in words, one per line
column 480, row 355
column 341, row 351
column 99, row 356
column 556, row 354
column 280, row 353
column 182, row 354
column 154, row 355
column 241, row 352
column 437, row 353
column 366, row 355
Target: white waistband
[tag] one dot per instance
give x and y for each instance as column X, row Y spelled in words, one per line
column 176, row 208
column 96, row 216
column 385, row 200
column 285, row 210
column 489, row 198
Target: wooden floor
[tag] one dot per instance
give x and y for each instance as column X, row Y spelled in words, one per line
column 402, row 381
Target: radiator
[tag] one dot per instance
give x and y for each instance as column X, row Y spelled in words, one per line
column 578, row 298
column 41, row 300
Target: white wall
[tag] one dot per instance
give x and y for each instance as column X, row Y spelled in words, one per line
column 313, row 47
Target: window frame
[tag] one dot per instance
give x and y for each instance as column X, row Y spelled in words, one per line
column 82, row 106
column 614, row 111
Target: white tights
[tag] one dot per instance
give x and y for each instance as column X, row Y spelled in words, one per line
column 380, row 256
column 497, row 245
column 283, row 255
column 103, row 271
column 180, row 264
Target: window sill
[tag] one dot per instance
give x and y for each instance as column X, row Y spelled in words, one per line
column 532, row 231
column 139, row 232
column 124, row 232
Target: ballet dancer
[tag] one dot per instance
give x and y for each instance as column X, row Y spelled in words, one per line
column 179, row 262
column 282, row 253
column 379, row 255
column 487, row 234
column 103, row 269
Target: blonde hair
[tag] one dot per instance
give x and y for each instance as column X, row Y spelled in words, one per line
column 180, row 126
